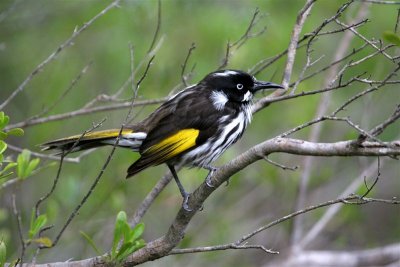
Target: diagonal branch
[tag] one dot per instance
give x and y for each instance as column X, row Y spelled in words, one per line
column 163, row 245
column 54, row 55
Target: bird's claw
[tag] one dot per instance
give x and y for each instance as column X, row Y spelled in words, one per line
column 185, row 204
column 208, row 178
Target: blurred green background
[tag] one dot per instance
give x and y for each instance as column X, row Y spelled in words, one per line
column 32, row 30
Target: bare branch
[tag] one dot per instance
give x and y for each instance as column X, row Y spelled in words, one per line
column 56, row 179
column 90, row 191
column 301, row 18
column 149, row 199
column 366, row 40
column 157, row 31
column 184, row 77
column 63, row 95
column 234, row 46
column 46, row 156
column 381, row 256
column 221, row 247
column 283, row 167
column 361, row 94
column 20, row 234
column 383, row 2
column 80, row 112
column 381, row 127
column 239, row 244
column 53, row 55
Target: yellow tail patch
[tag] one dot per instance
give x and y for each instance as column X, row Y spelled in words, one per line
column 97, row 135
column 173, row 145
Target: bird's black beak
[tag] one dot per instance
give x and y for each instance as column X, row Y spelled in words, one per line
column 261, row 85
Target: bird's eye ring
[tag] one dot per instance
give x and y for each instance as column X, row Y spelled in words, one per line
column 239, row 86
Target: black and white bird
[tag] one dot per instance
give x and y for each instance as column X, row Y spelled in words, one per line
column 192, row 128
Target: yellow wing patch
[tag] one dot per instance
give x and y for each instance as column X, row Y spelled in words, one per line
column 173, row 145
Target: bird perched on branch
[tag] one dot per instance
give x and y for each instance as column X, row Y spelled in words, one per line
column 192, row 128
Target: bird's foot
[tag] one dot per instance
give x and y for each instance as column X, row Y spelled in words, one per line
column 210, row 174
column 185, row 204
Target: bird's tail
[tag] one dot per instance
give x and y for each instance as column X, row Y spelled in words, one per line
column 128, row 139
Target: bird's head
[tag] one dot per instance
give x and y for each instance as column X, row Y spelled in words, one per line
column 235, row 86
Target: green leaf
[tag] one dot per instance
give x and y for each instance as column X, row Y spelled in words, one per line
column 32, row 166
column 26, row 166
column 37, row 224
column 9, row 166
column 3, row 176
column 16, row 132
column 128, row 248
column 3, row 253
column 44, row 241
column 23, row 162
column 3, row 135
column 4, row 119
column 391, row 37
column 3, row 146
column 118, row 232
column 91, row 242
column 125, row 251
column 136, row 232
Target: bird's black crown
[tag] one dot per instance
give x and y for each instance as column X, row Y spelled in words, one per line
column 238, row 86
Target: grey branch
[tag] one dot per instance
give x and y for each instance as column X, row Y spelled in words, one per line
column 383, row 256
column 164, row 245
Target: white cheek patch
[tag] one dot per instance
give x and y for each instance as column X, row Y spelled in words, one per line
column 247, row 96
column 219, row 99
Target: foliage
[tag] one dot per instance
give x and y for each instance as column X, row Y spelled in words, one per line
column 126, row 240
column 36, row 225
column 25, row 165
column 4, row 120
column 391, row 37
column 33, row 30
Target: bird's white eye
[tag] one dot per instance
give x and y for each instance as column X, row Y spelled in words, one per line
column 239, row 86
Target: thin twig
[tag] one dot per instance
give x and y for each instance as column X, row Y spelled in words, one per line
column 63, row 95
column 80, row 112
column 238, row 244
column 397, row 20
column 369, row 189
column 85, row 198
column 56, row 179
column 149, row 199
column 381, row 127
column 301, row 18
column 283, row 167
column 50, row 157
column 363, row 93
column 20, row 232
column 184, row 77
column 333, row 210
column 291, row 53
column 53, row 55
column 236, row 45
column 366, row 40
column 157, row 31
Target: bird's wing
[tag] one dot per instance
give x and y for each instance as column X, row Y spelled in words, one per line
column 180, row 124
